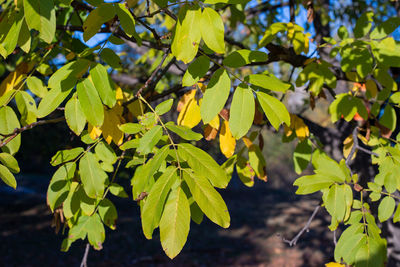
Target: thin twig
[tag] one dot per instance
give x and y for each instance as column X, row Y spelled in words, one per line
column 9, row 137
column 306, row 228
column 85, row 256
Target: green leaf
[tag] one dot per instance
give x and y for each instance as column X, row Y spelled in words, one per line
column 371, row 254
column 92, row 176
column 27, row 107
column 10, row 162
column 196, row 70
column 36, row 86
column 344, row 247
column 104, row 85
column 183, row 131
column 386, row 208
column 309, row 184
column 10, row 27
column 131, row 128
column 335, row 202
column 203, row 165
column 363, row 24
column 274, row 109
column 7, row 177
column 66, row 155
column 111, row 58
column 215, row 96
column 389, row 118
column 269, row 82
column 24, row 38
column 40, row 15
column 58, row 188
column 71, row 204
column 96, row 18
column 108, row 213
column 51, row 101
column 118, row 190
column 90, row 226
column 328, row 167
column 105, row 153
column 242, row 111
column 187, row 33
column 127, row 22
column 240, row 58
column 86, row 204
column 149, row 140
column 74, row 115
column 143, row 174
column 175, row 223
column 65, row 78
column 257, row 161
column 208, row 199
column 90, row 102
column 212, row 30
column 154, row 205
column 396, row 216
column 302, row 156
column 164, row 107
column 8, row 123
column 385, row 28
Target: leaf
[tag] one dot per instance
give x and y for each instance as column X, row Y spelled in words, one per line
column 74, row 115
column 212, row 30
column 131, row 128
column 242, row 111
column 335, row 202
column 36, row 86
column 111, row 58
column 96, row 18
column 58, row 188
column 302, row 156
column 118, row 190
column 274, row 109
column 334, row 264
column 208, row 199
column 196, row 70
column 66, row 155
column 150, row 139
column 372, row 254
column 51, row 101
column 127, row 21
column 245, row 171
column 10, row 162
column 190, row 114
column 240, row 58
column 389, row 118
column 66, row 77
column 309, row 184
column 144, row 174
column 203, row 165
column 90, row 102
column 24, row 38
column 175, row 223
column 363, row 24
column 103, row 84
column 105, row 153
column 187, row 35
column 40, row 15
column 386, row 208
column 164, row 107
column 8, row 123
column 92, row 176
column 385, row 28
column 154, row 205
column 27, row 107
column 215, row 96
column 110, row 128
column 108, row 213
column 7, row 177
column 183, row 131
column 227, row 142
column 269, row 82
column 9, row 32
column 257, row 161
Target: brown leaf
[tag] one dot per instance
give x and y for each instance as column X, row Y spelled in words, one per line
column 210, row 133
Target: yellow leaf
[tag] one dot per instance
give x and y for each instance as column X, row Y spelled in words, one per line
column 227, row 142
column 298, row 125
column 110, row 129
column 94, row 131
column 347, row 146
column 247, row 142
column 215, row 123
column 306, row 42
column 189, row 114
column 12, row 81
column 371, row 87
column 334, row 264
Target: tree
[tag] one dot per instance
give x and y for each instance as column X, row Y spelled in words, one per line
column 228, row 65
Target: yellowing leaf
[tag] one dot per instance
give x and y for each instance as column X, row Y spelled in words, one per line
column 210, row 133
column 300, row 128
column 12, row 81
column 190, row 112
column 110, row 129
column 215, row 123
column 247, row 142
column 94, row 132
column 347, row 146
column 334, row 264
column 227, row 142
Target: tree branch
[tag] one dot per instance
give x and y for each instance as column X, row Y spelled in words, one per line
column 85, row 256
column 9, row 137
